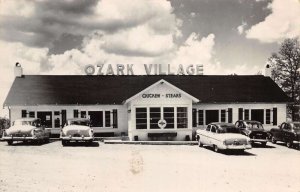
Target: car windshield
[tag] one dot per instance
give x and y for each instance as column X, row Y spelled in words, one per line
column 23, row 123
column 254, row 125
column 297, row 126
column 228, row 129
column 79, row 122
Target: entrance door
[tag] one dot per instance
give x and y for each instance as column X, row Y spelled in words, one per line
column 96, row 118
column 257, row 115
column 46, row 118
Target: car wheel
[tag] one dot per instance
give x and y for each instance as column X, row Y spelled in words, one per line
column 263, row 144
column 273, row 140
column 289, row 144
column 64, row 143
column 269, row 136
column 216, row 149
column 199, row 143
column 9, row 142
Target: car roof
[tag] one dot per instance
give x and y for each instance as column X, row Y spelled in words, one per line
column 221, row 124
column 250, row 121
column 28, row 119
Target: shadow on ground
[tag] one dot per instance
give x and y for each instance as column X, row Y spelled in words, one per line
column 82, row 144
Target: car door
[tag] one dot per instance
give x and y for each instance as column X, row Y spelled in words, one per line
column 204, row 137
column 212, row 138
column 287, row 132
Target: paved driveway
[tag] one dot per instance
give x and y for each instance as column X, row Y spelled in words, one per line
column 108, row 167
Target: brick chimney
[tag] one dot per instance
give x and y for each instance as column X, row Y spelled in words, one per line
column 18, row 70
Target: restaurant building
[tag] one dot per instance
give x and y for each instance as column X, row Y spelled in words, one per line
column 153, row 107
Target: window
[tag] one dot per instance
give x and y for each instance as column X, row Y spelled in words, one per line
column 268, row 116
column 211, row 116
column 57, row 123
column 182, row 118
column 31, row 114
column 115, row 118
column 141, row 118
column 200, row 117
column 194, row 120
column 107, row 118
column 154, row 117
column 208, row 128
column 257, row 115
column 96, row 118
column 24, row 113
column 246, row 114
column 223, row 115
column 83, row 114
column 169, row 117
column 213, row 129
column 56, row 113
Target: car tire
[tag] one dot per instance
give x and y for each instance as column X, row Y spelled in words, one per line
column 216, row 149
column 64, row 143
column 9, row 142
column 289, row 144
column 273, row 140
column 263, row 144
column 199, row 143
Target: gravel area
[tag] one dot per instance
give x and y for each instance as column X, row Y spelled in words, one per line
column 109, row 167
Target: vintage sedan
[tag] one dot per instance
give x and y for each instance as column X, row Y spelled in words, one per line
column 222, row 136
column 78, row 130
column 254, row 130
column 26, row 129
column 287, row 132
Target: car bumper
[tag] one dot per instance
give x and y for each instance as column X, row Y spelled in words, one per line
column 296, row 142
column 235, row 147
column 12, row 138
column 258, row 140
column 77, row 138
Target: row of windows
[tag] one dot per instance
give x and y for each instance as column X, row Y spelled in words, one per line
column 243, row 114
column 98, row 118
column 157, row 113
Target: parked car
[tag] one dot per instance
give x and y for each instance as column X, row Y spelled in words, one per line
column 26, row 129
column 222, row 136
column 77, row 129
column 287, row 132
column 254, row 130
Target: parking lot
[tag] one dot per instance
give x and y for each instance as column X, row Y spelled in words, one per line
column 112, row 167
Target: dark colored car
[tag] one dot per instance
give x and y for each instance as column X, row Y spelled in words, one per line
column 287, row 132
column 254, row 130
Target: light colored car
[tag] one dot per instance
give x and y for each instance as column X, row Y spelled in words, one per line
column 78, row 130
column 222, row 136
column 26, row 129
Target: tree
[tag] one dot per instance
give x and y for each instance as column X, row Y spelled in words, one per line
column 286, row 73
column 4, row 124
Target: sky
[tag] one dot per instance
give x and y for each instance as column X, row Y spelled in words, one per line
column 61, row 37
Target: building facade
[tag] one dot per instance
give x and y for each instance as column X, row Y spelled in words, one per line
column 156, row 107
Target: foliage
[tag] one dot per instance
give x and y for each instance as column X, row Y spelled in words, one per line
column 286, row 72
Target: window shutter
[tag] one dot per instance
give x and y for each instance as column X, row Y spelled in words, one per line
column 246, row 114
column 115, row 118
column 274, row 116
column 63, row 117
column 241, row 114
column 194, row 117
column 229, row 115
column 75, row 113
column 24, row 113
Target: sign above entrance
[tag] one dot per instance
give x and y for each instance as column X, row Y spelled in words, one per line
column 157, row 95
column 148, row 69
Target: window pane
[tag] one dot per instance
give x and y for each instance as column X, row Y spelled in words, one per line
column 141, row 118
column 268, row 116
column 169, row 117
column 154, row 117
column 182, row 119
column 223, row 115
column 246, row 114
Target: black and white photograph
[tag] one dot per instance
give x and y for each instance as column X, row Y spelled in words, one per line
column 150, row 95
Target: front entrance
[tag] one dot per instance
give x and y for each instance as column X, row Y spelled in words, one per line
column 46, row 118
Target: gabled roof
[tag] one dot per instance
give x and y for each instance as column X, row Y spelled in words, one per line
column 164, row 82
column 96, row 89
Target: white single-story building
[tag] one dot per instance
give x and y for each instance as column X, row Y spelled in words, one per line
column 154, row 107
